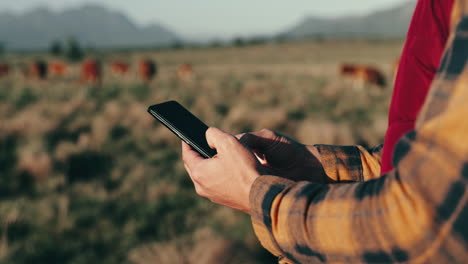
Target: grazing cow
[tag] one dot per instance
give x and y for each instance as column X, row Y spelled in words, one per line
column 363, row 74
column 185, row 71
column 120, row 68
column 57, row 68
column 38, row 70
column 91, row 71
column 148, row 70
column 4, row 69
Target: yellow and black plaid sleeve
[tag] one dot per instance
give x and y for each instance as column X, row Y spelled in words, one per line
column 350, row 163
column 418, row 213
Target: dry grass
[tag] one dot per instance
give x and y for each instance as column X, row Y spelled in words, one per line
column 91, row 177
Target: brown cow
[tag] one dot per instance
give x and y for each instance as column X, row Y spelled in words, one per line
column 148, row 70
column 38, row 70
column 4, row 69
column 57, row 68
column 364, row 74
column 91, row 71
column 185, row 71
column 120, row 68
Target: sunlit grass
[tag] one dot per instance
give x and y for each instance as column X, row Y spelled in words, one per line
column 87, row 176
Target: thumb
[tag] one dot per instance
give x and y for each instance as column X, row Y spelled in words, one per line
column 214, row 137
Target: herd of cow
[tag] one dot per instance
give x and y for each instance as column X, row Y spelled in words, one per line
column 90, row 70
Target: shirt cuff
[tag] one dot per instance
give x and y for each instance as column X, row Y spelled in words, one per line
column 341, row 163
column 262, row 196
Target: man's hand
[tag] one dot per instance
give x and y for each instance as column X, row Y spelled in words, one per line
column 227, row 177
column 284, row 157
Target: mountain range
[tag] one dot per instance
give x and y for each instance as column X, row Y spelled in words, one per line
column 96, row 26
column 387, row 23
column 92, row 25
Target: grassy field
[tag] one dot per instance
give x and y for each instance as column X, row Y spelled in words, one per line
column 87, row 176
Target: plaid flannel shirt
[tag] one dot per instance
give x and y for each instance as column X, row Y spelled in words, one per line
column 417, row 213
column 350, row 163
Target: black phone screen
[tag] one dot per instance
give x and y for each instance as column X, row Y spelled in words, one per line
column 184, row 124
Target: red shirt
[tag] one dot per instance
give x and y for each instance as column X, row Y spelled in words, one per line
column 425, row 42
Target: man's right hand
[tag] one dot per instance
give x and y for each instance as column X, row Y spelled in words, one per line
column 284, row 157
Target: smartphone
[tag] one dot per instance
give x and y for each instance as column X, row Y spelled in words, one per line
column 184, row 125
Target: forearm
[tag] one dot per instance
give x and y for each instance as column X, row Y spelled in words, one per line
column 373, row 221
column 415, row 214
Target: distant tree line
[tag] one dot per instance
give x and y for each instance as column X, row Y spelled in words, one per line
column 71, row 50
column 216, row 43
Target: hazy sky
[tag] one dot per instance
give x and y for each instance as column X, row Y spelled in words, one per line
column 223, row 18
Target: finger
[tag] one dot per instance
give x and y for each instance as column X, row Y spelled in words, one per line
column 217, row 138
column 186, row 152
column 266, row 133
column 256, row 141
column 260, row 157
column 187, row 169
column 239, row 136
column 190, row 156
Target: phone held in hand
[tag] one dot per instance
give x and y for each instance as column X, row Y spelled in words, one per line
column 184, row 125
